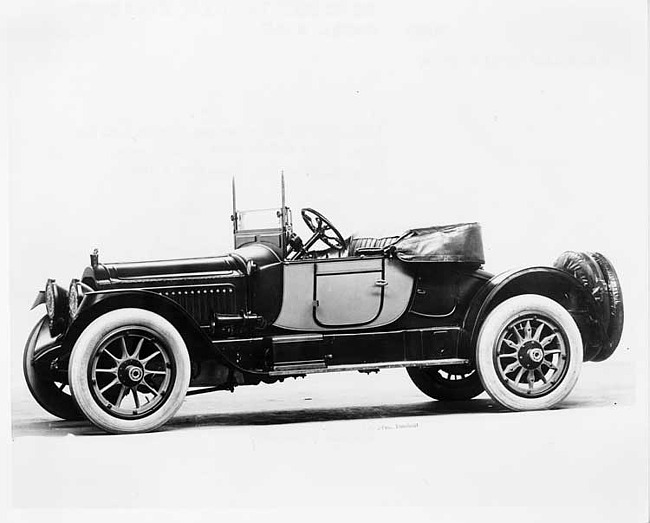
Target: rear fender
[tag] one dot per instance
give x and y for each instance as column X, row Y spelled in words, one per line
column 545, row 281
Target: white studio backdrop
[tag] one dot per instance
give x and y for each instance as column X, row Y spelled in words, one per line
column 128, row 120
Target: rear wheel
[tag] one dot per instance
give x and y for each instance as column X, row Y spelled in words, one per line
column 129, row 371
column 451, row 383
column 529, row 353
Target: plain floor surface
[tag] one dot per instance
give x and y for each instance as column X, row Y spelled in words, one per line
column 348, row 441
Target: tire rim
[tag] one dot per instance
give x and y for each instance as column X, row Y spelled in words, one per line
column 531, row 356
column 131, row 372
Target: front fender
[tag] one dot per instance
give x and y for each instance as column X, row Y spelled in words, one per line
column 94, row 304
column 545, row 281
column 41, row 346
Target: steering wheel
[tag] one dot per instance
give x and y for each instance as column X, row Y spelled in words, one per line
column 322, row 229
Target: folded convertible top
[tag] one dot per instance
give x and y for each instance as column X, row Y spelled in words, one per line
column 460, row 242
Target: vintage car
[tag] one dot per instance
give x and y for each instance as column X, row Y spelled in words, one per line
column 125, row 344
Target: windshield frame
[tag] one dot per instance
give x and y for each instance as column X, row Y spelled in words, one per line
column 275, row 236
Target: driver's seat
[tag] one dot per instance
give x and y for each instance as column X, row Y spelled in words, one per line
column 352, row 246
column 369, row 243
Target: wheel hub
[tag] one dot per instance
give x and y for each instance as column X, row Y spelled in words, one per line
column 531, row 355
column 130, row 372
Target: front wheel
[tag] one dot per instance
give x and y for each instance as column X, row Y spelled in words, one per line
column 48, row 389
column 129, row 371
column 529, row 353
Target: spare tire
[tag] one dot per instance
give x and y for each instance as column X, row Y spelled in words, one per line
column 587, row 271
column 597, row 274
column 616, row 313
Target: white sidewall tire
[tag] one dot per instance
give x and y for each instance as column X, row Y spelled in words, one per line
column 497, row 321
column 82, row 353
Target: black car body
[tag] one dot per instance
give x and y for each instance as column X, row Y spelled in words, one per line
column 128, row 341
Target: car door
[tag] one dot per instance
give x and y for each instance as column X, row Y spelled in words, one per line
column 348, row 293
column 344, row 293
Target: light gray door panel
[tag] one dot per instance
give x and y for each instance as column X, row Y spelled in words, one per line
column 339, row 303
column 347, row 299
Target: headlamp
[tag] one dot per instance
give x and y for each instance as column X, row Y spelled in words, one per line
column 55, row 304
column 50, row 298
column 73, row 298
column 76, row 293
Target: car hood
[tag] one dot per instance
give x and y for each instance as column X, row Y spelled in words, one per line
column 160, row 272
column 192, row 271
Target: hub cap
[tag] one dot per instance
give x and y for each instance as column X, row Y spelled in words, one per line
column 131, row 373
column 531, row 356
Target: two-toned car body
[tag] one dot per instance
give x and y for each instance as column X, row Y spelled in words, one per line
column 126, row 343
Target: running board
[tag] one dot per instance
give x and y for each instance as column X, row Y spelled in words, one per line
column 318, row 367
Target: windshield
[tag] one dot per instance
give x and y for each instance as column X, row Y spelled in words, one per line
column 268, row 226
column 259, row 219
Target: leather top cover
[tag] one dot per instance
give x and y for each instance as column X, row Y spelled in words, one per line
column 460, row 242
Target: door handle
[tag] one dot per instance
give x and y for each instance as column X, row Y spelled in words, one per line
column 381, row 283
